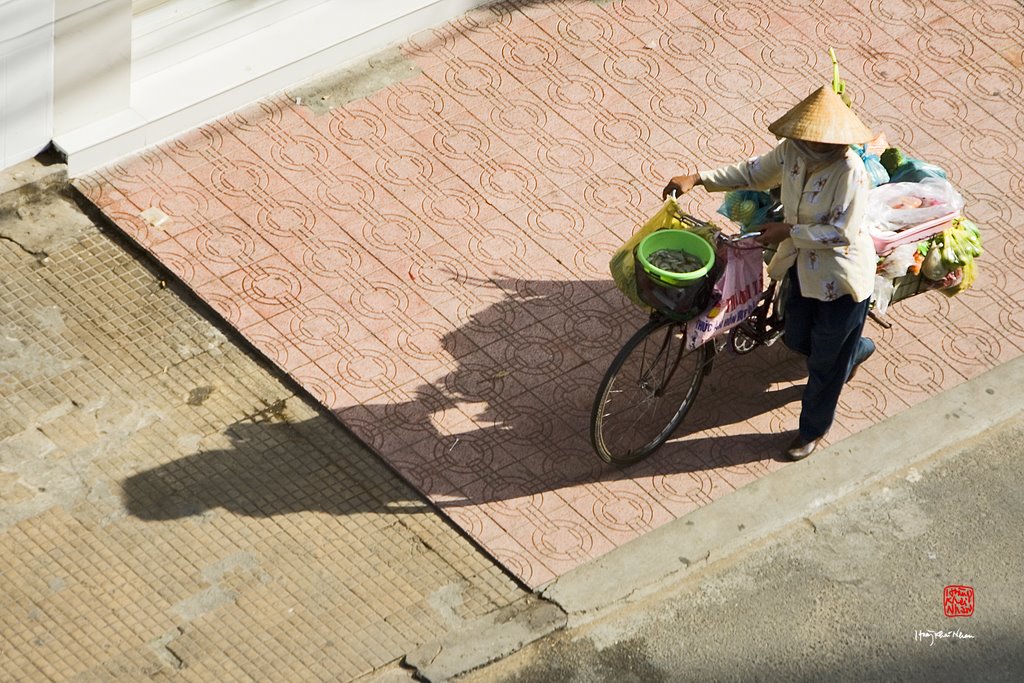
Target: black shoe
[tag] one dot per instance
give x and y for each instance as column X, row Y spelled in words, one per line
column 801, row 447
column 861, row 357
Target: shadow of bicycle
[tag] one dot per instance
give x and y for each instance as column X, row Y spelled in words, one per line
column 510, row 420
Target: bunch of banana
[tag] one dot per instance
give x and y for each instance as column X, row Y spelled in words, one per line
column 960, row 243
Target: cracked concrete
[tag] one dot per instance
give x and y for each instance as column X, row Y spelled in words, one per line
column 36, row 213
column 486, row 639
column 164, row 650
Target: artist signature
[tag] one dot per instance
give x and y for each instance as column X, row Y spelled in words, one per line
column 932, row 636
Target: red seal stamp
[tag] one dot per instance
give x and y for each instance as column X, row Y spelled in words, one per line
column 958, row 601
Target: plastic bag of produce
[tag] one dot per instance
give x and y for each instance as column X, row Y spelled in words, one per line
column 623, row 264
column 748, row 208
column 873, row 165
column 895, row 206
column 915, row 170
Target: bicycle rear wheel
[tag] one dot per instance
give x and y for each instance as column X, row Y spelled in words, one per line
column 646, row 392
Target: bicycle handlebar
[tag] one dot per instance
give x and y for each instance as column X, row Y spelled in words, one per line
column 733, row 239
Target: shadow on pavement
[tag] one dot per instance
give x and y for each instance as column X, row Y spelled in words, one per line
column 522, row 384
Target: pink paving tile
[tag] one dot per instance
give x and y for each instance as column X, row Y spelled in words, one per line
column 317, row 326
column 481, row 379
column 301, row 158
column 100, row 190
column 903, row 21
column 396, row 432
column 133, row 225
column 685, row 488
column 497, row 541
column 137, row 173
column 676, row 104
column 224, row 245
column 344, row 190
column 533, row 354
column 271, row 286
column 179, row 257
column 431, row 262
column 577, row 37
column 553, row 221
column 330, row 262
column 226, row 301
column 365, row 373
column 999, row 25
column 497, row 326
column 462, row 146
column 792, row 59
column 380, row 300
column 740, row 24
column 575, row 91
column 356, row 130
column 209, row 144
column 418, row 104
column 527, row 57
column 559, row 537
column 278, row 349
column 847, row 33
column 180, row 198
column 431, row 349
column 322, row 385
column 263, row 124
column 281, row 220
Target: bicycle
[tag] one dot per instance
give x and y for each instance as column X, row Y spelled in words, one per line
column 657, row 380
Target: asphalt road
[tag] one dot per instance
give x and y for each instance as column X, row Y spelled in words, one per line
column 853, row 593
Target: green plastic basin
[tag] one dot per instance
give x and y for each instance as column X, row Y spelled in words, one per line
column 679, row 240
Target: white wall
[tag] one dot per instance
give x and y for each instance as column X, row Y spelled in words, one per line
column 120, row 86
column 26, row 79
column 92, row 61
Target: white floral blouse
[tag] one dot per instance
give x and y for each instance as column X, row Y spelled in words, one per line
column 829, row 241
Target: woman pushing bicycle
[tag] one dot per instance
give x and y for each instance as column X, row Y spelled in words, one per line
column 822, row 245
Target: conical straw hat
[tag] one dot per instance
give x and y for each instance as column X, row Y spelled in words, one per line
column 822, row 117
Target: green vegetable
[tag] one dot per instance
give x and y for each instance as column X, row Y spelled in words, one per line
column 959, row 244
column 892, row 158
column 743, row 211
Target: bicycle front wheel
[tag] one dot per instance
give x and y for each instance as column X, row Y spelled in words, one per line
column 646, row 392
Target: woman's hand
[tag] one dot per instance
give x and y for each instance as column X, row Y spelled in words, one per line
column 681, row 184
column 773, row 233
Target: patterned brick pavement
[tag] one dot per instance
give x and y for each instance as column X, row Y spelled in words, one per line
column 170, row 508
column 430, row 262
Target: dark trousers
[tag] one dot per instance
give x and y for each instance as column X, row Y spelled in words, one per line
column 829, row 334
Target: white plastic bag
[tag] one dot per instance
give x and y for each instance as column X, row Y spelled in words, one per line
column 895, row 206
column 895, row 265
column 899, row 261
column 882, row 296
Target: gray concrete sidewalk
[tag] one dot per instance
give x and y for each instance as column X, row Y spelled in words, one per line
column 170, row 508
column 853, row 592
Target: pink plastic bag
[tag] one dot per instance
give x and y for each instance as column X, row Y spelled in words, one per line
column 735, row 295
